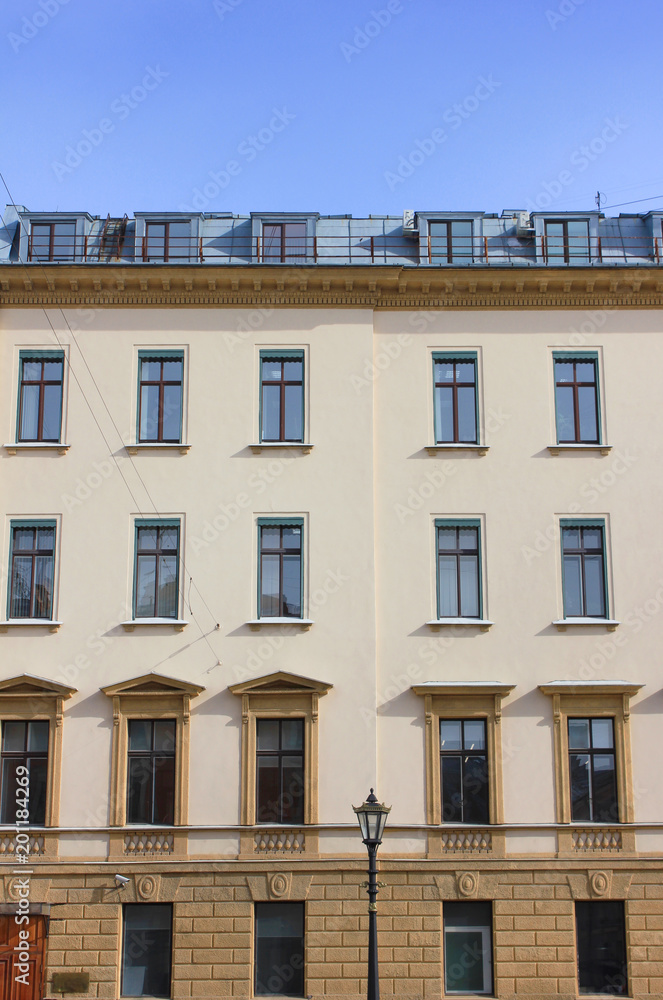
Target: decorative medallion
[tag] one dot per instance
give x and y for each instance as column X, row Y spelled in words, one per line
column 467, row 883
column 279, row 885
column 599, row 883
column 147, row 886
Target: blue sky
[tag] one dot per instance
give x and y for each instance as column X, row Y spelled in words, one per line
column 335, row 106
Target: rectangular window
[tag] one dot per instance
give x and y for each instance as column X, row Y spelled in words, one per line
column 24, row 746
column 455, row 398
column 584, row 582
column 468, row 950
column 601, row 941
column 280, row 771
column 151, row 771
column 146, row 949
column 40, row 397
column 567, row 241
column 283, row 242
column 280, row 586
column 458, row 569
column 592, row 772
column 52, row 241
column 279, row 949
column 157, row 569
column 577, row 399
column 464, row 771
column 160, row 397
column 168, row 241
column 450, row 242
column 32, row 570
column 282, row 396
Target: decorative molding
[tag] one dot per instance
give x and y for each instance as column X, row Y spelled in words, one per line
column 279, row 886
column 379, row 287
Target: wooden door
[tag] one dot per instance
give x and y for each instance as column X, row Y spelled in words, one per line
column 10, row 988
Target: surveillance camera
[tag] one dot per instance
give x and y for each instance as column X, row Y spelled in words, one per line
column 121, row 881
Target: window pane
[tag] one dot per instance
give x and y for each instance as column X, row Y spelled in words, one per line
column 29, row 412
column 21, row 587
column 578, row 240
column 292, row 602
column 164, row 734
column 139, row 790
column 279, row 944
column 269, row 586
column 292, row 797
column 37, row 809
column 43, row 586
column 579, row 777
column 469, row 586
column 475, row 790
column 463, row 959
column 451, row 734
column 566, row 430
column 292, row 371
column 468, row 538
column 605, row 789
column 571, row 538
column 592, row 538
column 587, row 414
column 38, row 737
column 446, row 538
column 268, row 734
column 271, row 413
column 585, row 371
column 9, row 786
column 172, row 412
column 293, row 413
column 271, row 241
column 14, row 736
column 149, row 413
column 270, row 538
column 475, row 734
column 448, row 587
column 267, row 786
column 467, row 415
column 465, row 371
column 602, row 735
column 168, row 537
column 292, row 734
column 271, row 369
column 444, row 371
column 572, row 587
column 167, row 597
column 594, row 585
column 452, row 795
column 172, row 370
column 145, row 586
column 140, row 734
column 292, row 538
column 600, row 934
column 164, row 790
column 579, row 734
column 444, row 419
column 147, row 539
column 146, row 950
column 52, row 412
column 150, row 371
column 564, row 371
column 45, row 538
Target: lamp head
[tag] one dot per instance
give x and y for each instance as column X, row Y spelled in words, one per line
column 372, row 816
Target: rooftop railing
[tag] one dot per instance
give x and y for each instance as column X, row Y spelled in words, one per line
column 352, row 249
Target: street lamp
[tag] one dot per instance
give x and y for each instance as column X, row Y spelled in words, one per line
column 372, row 818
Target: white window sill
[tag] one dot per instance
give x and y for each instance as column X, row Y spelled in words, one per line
column 176, row 623
column 257, row 623
column 563, row 623
column 48, row 623
column 437, row 623
column 290, row 445
column 133, row 449
column 479, row 449
column 12, row 449
column 603, row 449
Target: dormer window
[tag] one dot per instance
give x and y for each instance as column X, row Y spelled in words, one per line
column 55, row 241
column 450, row 241
column 283, row 242
column 567, row 241
column 166, row 242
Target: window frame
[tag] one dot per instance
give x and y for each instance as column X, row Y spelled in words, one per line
column 165, row 522
column 123, row 949
column 594, row 524
column 286, row 354
column 582, row 357
column 464, row 752
column 281, row 522
column 284, row 960
column 279, row 753
column 167, row 257
column 22, row 757
column 567, row 257
column 151, row 756
column 52, row 257
column 459, row 523
column 581, row 921
column 463, row 357
column 487, row 933
column 591, row 752
column 36, row 523
column 592, row 699
column 169, row 354
column 438, row 258
column 284, row 257
column 34, row 699
column 42, row 356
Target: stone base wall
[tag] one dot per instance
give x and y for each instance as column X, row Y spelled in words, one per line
column 533, row 922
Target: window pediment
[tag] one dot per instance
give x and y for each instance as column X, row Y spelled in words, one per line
column 26, row 685
column 281, row 682
column 152, row 684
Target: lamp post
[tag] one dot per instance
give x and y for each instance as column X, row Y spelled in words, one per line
column 372, row 818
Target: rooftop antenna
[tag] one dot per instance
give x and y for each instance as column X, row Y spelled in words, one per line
column 600, row 197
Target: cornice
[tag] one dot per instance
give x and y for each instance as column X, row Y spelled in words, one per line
column 368, row 287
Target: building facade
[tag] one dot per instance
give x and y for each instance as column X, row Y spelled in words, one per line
column 296, row 506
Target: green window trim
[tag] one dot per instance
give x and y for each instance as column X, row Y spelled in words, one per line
column 156, row 522
column 570, row 356
column 461, row 356
column 29, row 523
column 282, row 522
column 463, row 522
column 169, row 354
column 43, row 355
column 587, row 522
column 289, row 354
